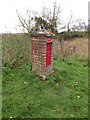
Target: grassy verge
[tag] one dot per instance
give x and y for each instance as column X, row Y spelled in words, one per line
column 63, row 95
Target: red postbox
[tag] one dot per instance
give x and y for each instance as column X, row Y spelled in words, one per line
column 42, row 54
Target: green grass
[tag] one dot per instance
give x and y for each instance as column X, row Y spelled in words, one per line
column 63, row 95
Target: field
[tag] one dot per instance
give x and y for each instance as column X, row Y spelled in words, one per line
column 78, row 46
column 64, row 94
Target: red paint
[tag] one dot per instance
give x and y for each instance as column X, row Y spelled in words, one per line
column 48, row 53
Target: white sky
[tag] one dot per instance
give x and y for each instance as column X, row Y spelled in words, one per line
column 8, row 16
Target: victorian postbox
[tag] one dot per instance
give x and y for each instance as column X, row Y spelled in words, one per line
column 42, row 54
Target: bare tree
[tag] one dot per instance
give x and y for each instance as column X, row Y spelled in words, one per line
column 52, row 14
column 75, row 24
column 80, row 25
column 69, row 23
column 27, row 22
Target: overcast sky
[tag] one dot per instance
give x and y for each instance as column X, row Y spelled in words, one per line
column 8, row 16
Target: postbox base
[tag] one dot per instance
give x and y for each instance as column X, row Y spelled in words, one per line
column 43, row 76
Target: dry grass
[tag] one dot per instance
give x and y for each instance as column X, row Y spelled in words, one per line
column 78, row 46
column 17, row 48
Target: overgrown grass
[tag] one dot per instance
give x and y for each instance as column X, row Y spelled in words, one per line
column 63, row 95
column 16, row 49
column 76, row 47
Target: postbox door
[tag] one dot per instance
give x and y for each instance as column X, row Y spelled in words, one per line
column 48, row 54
